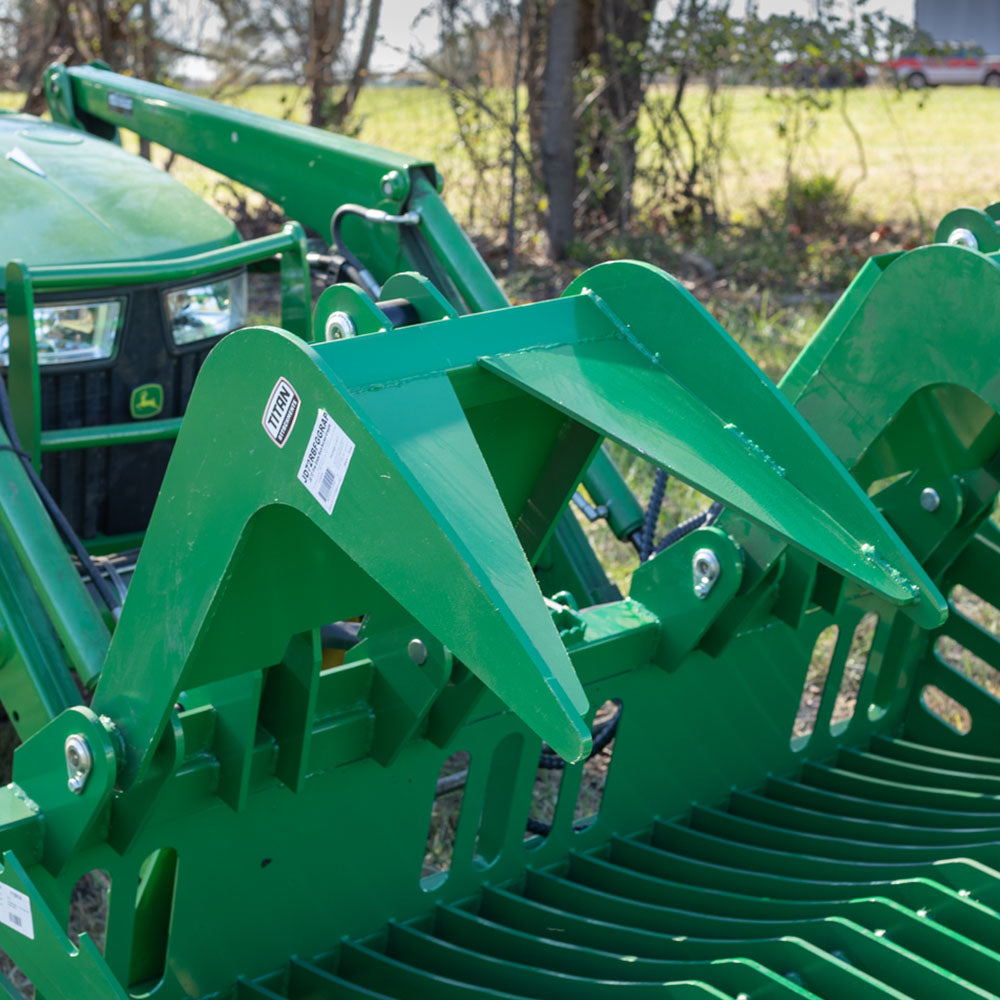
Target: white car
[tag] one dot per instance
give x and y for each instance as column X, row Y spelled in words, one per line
column 961, row 67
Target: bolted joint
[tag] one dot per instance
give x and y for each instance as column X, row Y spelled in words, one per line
column 79, row 762
column 394, row 185
column 962, row 237
column 340, row 326
column 930, row 499
column 706, row 569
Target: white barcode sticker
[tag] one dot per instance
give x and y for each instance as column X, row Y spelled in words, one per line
column 325, row 462
column 15, row 911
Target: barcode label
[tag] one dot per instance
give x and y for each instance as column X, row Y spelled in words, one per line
column 325, row 462
column 15, row 911
column 326, row 487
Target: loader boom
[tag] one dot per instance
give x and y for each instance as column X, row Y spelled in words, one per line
column 328, row 170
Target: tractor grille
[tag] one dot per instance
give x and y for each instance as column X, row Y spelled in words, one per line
column 111, row 491
column 869, row 876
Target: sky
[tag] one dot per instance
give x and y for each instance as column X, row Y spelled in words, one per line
column 398, row 34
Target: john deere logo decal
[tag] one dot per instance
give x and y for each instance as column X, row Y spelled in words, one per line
column 146, row 400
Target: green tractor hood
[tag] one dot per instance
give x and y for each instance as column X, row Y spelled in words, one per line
column 72, row 198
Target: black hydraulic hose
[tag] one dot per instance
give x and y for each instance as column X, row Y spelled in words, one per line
column 334, row 268
column 339, row 635
column 676, row 533
column 647, row 533
column 375, row 215
column 549, row 760
column 538, row 826
column 71, row 538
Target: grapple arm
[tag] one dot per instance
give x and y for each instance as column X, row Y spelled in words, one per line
column 432, row 515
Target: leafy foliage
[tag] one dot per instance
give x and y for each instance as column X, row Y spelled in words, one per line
column 647, row 147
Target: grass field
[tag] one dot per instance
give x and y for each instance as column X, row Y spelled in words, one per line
column 926, row 153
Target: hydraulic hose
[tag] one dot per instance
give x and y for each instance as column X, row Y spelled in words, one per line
column 373, row 215
column 676, row 533
column 65, row 529
column 647, row 532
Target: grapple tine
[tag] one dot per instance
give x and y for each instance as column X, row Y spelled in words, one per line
column 675, row 387
column 459, row 572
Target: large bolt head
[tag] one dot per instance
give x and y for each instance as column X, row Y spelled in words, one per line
column 394, row 185
column 962, row 237
column 340, row 326
column 930, row 499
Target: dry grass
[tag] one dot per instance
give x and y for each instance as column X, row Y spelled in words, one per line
column 824, row 669
column 447, row 806
column 978, row 670
column 444, row 817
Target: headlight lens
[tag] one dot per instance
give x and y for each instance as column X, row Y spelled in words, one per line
column 74, row 331
column 206, row 310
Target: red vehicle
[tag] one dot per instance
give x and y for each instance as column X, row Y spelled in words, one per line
column 963, row 66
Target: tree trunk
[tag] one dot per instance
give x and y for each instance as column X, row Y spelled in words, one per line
column 56, row 41
column 621, row 32
column 104, row 31
column 326, row 33
column 536, row 16
column 147, row 60
column 564, row 36
column 357, row 81
column 557, row 127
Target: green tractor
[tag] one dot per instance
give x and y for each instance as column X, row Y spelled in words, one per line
column 269, row 594
column 106, row 354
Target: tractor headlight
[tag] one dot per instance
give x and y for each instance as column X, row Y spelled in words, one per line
column 72, row 331
column 208, row 309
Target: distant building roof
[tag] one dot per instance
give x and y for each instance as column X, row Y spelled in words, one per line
column 976, row 21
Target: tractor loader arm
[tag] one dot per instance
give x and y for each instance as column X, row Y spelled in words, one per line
column 307, row 172
column 317, row 177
